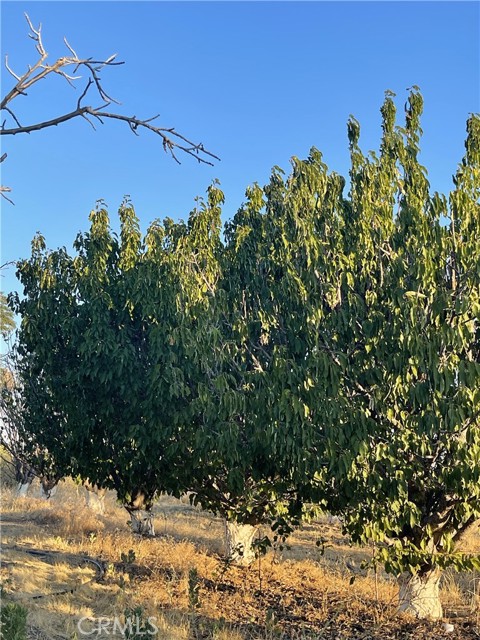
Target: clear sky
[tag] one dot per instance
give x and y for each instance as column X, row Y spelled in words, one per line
column 256, row 82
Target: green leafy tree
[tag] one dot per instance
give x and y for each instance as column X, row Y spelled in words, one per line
column 262, row 315
column 328, row 353
column 239, row 479
column 362, row 330
column 7, row 319
column 43, row 354
column 114, row 355
column 411, row 342
column 138, row 363
column 71, row 346
column 29, row 458
column 392, row 361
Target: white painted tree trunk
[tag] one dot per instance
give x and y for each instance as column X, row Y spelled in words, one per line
column 47, row 491
column 24, row 476
column 22, row 489
column 238, row 543
column 419, row 595
column 141, row 521
column 95, row 499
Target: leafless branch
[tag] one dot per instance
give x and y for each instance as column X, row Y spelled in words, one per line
column 10, row 70
column 172, row 141
column 69, row 47
column 10, row 263
column 3, row 191
column 8, row 110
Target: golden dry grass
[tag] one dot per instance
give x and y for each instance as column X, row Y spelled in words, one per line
column 283, row 595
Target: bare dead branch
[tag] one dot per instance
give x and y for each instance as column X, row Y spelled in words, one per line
column 172, row 141
column 35, row 35
column 74, row 54
column 41, row 70
column 8, row 110
column 3, row 191
column 10, row 70
column 90, row 122
column 182, row 143
column 68, row 78
column 87, row 87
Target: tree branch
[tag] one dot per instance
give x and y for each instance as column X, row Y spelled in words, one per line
column 172, row 141
column 3, row 191
column 169, row 142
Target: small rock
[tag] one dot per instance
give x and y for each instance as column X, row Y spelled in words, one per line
column 447, row 627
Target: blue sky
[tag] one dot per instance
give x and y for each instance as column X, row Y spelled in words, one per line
column 256, row 82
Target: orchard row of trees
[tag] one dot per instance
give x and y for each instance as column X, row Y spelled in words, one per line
column 321, row 350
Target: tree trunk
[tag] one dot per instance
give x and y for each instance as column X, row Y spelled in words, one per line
column 141, row 516
column 24, row 476
column 141, row 521
column 22, row 489
column 95, row 498
column 48, row 488
column 419, row 594
column 238, row 543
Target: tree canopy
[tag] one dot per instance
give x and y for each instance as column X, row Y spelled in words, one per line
column 326, row 351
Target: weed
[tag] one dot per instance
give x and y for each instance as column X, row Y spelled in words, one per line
column 193, row 587
column 109, row 571
column 137, row 626
column 273, row 630
column 128, row 558
column 13, row 621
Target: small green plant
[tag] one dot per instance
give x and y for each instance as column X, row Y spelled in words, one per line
column 128, row 558
column 109, row 570
column 193, row 587
column 13, row 621
column 271, row 626
column 219, row 628
column 136, row 625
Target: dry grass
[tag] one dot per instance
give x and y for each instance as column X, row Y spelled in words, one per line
column 180, row 579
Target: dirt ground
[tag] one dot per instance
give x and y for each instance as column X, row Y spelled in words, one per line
column 70, row 568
